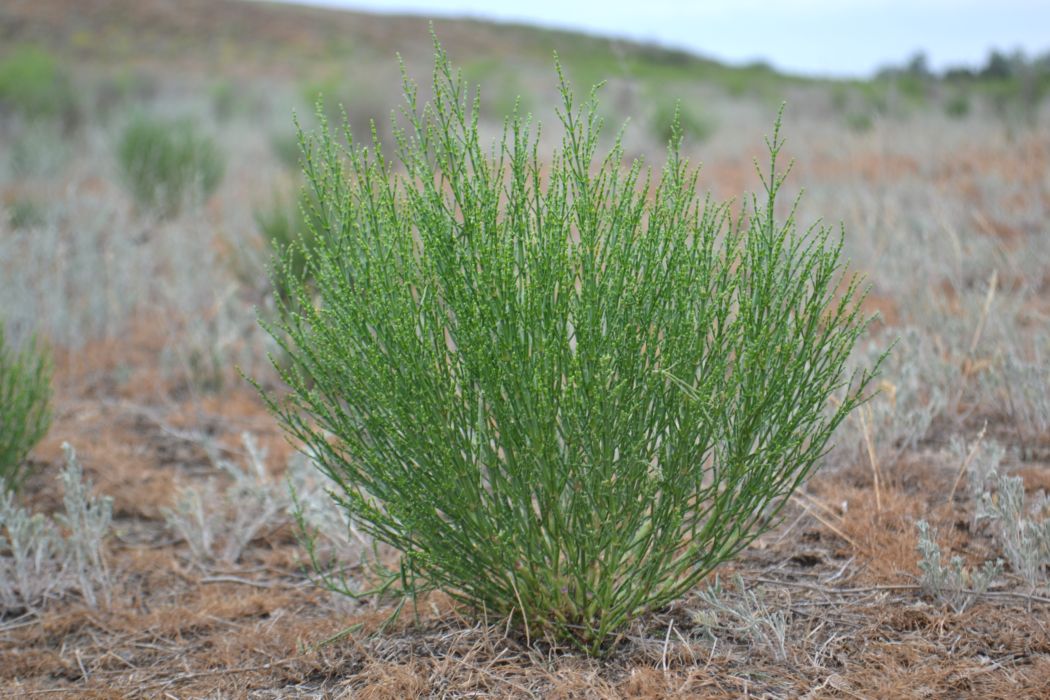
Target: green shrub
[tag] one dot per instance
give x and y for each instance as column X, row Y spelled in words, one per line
column 500, row 87
column 285, row 228
column 671, row 115
column 329, row 90
column 25, row 413
column 860, row 121
column 164, row 163
column 24, row 214
column 957, row 106
column 564, row 393
column 33, row 84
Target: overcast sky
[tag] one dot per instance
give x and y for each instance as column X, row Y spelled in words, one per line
column 827, row 37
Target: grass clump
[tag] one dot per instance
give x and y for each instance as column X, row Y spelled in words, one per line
column 566, row 391
column 34, row 85
column 25, row 214
column 957, row 106
column 165, row 163
column 287, row 231
column 693, row 125
column 25, row 407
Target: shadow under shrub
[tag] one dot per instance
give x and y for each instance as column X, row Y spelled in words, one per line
column 564, row 392
column 25, row 407
column 167, row 163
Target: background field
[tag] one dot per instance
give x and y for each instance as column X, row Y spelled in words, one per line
column 942, row 185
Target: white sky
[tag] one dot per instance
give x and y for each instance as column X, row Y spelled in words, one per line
column 825, row 37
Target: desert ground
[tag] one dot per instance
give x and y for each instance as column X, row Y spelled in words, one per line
column 202, row 589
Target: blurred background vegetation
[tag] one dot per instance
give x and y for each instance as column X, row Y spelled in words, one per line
column 154, row 148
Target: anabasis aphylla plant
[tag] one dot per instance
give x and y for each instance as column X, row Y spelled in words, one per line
column 564, row 390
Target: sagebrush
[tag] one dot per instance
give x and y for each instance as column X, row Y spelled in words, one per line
column 564, row 391
column 953, row 584
column 43, row 556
